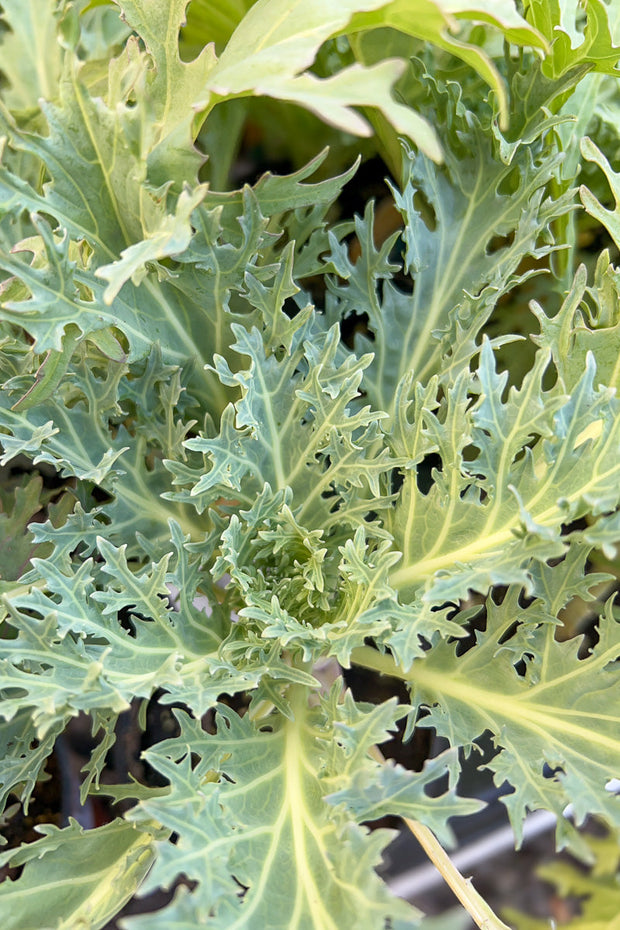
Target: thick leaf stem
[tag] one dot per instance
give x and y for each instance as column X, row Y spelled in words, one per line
column 381, row 662
column 475, row 905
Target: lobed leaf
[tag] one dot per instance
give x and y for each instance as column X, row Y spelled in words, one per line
column 282, row 856
column 553, row 725
column 464, row 233
column 47, row 895
column 537, row 462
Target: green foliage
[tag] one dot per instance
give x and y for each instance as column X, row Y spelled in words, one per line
column 597, row 890
column 109, row 861
column 246, row 438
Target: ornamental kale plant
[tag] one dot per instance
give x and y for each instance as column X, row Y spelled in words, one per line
column 250, row 442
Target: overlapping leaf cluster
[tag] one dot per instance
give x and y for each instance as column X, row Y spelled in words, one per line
column 224, row 493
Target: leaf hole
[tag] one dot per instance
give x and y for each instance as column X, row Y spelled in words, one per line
column 499, row 243
column 397, row 478
column 590, row 637
column 425, row 479
column 510, row 182
column 552, row 772
column 291, row 308
column 426, row 210
column 126, row 620
column 520, row 666
column 472, row 617
column 353, row 324
column 508, row 634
